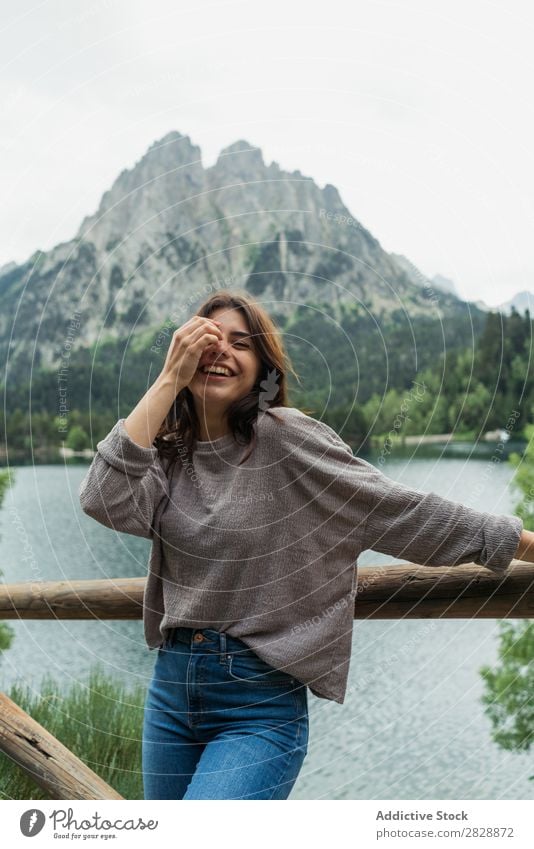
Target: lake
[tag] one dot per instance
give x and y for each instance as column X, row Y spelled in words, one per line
column 412, row 726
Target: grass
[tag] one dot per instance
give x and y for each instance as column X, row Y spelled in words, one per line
column 100, row 722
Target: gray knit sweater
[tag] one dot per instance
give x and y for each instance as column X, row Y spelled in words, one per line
column 268, row 550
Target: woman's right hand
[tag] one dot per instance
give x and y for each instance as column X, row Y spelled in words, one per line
column 187, row 346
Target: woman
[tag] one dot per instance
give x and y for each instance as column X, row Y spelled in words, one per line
column 258, row 513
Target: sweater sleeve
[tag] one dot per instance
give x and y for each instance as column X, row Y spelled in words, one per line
column 390, row 518
column 430, row 530
column 124, row 484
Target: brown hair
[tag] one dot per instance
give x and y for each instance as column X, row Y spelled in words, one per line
column 181, row 426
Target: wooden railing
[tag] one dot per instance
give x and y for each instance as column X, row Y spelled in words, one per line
column 383, row 592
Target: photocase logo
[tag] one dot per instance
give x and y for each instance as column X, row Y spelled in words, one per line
column 31, row 822
column 270, row 390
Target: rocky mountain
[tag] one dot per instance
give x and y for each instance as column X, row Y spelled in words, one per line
column 416, row 276
column 170, row 231
column 445, row 284
column 521, row 301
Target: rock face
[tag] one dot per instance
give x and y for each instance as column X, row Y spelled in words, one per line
column 169, row 231
column 444, row 283
column 520, row 302
column 416, row 276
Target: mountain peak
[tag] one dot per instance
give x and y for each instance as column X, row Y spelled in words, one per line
column 171, row 167
column 239, row 155
column 331, row 195
column 172, row 135
column 174, row 146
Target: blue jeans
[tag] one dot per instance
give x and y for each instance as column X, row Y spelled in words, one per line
column 220, row 723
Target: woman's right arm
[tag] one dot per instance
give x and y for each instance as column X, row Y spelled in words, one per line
column 122, row 488
column 126, row 480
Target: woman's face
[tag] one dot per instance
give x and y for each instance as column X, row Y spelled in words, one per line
column 236, row 352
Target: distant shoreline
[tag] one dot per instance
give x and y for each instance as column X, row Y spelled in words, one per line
column 61, row 453
column 442, row 438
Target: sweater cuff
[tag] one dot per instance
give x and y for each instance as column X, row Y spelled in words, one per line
column 502, row 538
column 121, row 452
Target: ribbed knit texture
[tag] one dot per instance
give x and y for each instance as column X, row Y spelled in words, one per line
column 267, row 551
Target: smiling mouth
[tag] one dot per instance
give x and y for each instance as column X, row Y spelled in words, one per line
column 215, row 375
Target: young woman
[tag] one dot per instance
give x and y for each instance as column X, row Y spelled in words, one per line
column 257, row 514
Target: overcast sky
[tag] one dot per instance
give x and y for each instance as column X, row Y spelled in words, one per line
column 421, row 113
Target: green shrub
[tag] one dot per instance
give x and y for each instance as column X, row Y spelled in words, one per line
column 509, row 687
column 77, row 438
column 6, row 631
column 509, row 696
column 100, row 722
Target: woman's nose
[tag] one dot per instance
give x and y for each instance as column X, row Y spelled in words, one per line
column 219, row 346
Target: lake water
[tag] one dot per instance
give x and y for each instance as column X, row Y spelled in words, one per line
column 412, row 726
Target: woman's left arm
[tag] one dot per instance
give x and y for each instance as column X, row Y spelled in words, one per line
column 355, row 498
column 428, row 529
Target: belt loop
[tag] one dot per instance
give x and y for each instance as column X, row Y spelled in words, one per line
column 223, row 645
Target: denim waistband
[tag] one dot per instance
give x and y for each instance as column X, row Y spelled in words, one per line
column 212, row 639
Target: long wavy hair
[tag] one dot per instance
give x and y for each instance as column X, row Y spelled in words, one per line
column 181, row 428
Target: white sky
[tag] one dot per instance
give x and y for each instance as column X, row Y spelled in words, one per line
column 421, row 113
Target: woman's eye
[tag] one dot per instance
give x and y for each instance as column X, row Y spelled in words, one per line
column 242, row 345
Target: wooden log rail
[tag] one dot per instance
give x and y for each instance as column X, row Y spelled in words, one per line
column 408, row 591
column 45, row 760
column 382, row 592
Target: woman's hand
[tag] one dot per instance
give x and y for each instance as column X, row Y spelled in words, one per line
column 187, row 346
column 183, row 356
column 525, row 549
